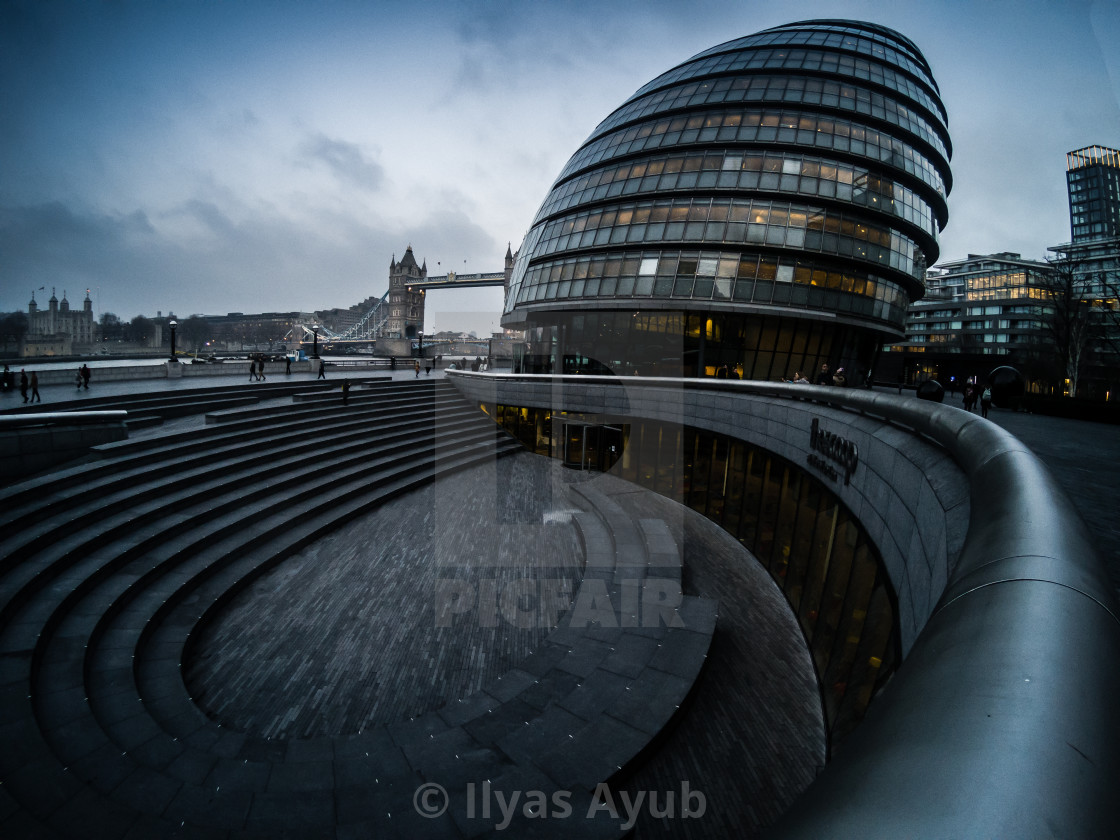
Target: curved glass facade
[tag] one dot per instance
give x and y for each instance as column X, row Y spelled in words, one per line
column 800, row 173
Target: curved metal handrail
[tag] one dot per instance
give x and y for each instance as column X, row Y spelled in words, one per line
column 1001, row 721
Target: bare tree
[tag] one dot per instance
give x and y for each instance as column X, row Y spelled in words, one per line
column 142, row 328
column 195, row 331
column 112, row 329
column 1066, row 315
column 13, row 328
column 1081, row 318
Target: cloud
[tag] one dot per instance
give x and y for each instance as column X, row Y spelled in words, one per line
column 346, row 161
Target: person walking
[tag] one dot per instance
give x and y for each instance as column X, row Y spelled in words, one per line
column 260, row 369
column 969, row 396
column 416, row 367
column 985, row 401
column 287, row 365
column 85, row 376
column 35, row 387
column 23, row 384
column 252, row 369
column 9, row 379
column 322, row 371
column 78, row 378
column 345, row 390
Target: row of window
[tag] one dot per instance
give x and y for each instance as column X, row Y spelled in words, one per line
column 736, row 170
column 784, row 58
column 732, row 221
column 750, row 126
column 844, row 38
column 710, row 275
column 816, row 92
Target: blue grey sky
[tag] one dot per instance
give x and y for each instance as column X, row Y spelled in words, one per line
column 211, row 157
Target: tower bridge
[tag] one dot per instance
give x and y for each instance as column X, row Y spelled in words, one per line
column 397, row 316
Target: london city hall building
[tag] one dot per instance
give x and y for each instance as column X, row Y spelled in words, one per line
column 767, row 206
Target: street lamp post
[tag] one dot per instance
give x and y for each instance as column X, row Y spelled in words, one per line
column 315, row 343
column 420, row 336
column 173, row 324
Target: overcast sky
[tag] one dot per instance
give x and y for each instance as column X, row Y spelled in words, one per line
column 205, row 157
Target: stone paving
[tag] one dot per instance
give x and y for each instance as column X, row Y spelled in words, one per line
column 287, row 657
column 753, row 736
column 347, row 633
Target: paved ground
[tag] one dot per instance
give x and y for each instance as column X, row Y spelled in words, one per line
column 53, row 394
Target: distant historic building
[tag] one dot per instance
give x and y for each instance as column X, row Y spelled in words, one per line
column 59, row 330
column 406, row 307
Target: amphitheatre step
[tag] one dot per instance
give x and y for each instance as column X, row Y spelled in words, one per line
column 131, row 733
column 147, row 521
column 108, row 480
column 123, row 569
column 180, row 445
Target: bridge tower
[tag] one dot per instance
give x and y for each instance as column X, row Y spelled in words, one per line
column 406, row 307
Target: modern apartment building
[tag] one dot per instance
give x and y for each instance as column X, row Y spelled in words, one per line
column 984, row 306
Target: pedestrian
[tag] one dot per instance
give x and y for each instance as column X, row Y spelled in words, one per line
column 345, row 390
column 322, row 371
column 969, row 396
column 985, row 401
column 78, row 378
column 252, row 369
column 824, row 377
column 23, row 384
column 35, row 387
column 288, row 365
column 260, row 368
column 839, row 379
column 427, row 370
column 8, row 381
column 416, row 367
column 85, row 376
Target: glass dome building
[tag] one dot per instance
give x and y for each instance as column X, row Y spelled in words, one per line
column 767, row 206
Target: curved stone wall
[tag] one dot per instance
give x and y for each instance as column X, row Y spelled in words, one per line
column 1001, row 720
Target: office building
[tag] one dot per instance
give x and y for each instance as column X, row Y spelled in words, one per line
column 767, row 206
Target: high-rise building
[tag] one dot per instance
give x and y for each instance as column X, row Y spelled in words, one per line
column 1093, row 258
column 1093, row 179
column 769, row 205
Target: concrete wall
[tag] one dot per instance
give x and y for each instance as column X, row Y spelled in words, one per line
column 33, row 442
